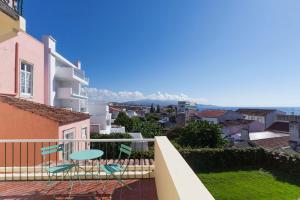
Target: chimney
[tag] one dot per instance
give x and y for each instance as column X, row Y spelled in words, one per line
column 245, row 134
column 78, row 64
column 294, row 135
column 49, row 42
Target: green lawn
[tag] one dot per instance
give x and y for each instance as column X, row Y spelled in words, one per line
column 248, row 185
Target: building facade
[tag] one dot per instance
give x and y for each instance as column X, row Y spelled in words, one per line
column 100, row 116
column 264, row 116
column 184, row 106
column 21, row 59
column 64, row 81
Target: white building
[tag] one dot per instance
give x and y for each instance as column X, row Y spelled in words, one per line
column 183, row 106
column 64, row 81
column 265, row 116
column 100, row 116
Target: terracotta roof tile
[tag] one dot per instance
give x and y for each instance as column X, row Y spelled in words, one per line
column 273, row 143
column 62, row 116
column 279, row 127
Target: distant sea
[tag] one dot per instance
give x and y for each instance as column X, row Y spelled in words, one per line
column 287, row 110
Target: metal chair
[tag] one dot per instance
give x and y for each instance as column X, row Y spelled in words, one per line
column 54, row 170
column 117, row 170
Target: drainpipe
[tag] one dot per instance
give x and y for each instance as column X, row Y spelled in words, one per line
column 17, row 68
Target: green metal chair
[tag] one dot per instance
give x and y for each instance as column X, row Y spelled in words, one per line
column 53, row 170
column 117, row 170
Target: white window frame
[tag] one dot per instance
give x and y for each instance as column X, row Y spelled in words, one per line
column 26, row 94
column 68, row 146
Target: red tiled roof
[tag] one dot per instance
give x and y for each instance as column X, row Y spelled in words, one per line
column 212, row 113
column 273, row 143
column 279, row 127
column 112, row 109
column 255, row 112
column 62, row 116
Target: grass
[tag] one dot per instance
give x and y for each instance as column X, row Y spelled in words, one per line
column 248, row 185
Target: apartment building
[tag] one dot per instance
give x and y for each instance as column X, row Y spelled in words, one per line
column 64, row 80
column 183, row 106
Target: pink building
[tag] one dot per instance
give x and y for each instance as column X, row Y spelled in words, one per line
column 23, row 113
column 22, row 119
column 21, row 61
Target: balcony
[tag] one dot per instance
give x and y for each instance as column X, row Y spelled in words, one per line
column 71, row 74
column 155, row 170
column 13, row 8
column 68, row 93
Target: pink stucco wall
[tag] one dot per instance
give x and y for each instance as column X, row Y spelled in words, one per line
column 76, row 129
column 29, row 50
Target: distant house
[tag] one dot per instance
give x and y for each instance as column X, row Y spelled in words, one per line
column 230, row 127
column 32, row 120
column 219, row 116
column 265, row 139
column 264, row 116
column 114, row 112
column 131, row 113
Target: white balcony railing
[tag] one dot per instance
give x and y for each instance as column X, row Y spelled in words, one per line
column 80, row 74
column 68, row 93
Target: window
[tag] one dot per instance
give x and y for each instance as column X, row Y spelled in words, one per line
column 84, row 136
column 68, row 146
column 26, row 79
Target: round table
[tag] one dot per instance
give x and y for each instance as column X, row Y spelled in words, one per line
column 85, row 155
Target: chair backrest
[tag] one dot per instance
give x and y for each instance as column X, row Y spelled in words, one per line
column 125, row 150
column 52, row 149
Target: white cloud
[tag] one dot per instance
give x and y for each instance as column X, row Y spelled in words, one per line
column 122, row 96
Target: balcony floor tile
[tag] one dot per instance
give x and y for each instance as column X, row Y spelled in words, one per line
column 142, row 189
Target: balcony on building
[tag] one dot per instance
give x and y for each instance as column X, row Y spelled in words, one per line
column 13, row 8
column 155, row 170
column 65, row 70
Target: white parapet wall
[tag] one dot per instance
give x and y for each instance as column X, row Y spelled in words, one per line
column 173, row 176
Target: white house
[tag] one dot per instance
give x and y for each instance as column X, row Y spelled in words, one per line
column 265, row 116
column 100, row 116
column 219, row 116
column 64, row 81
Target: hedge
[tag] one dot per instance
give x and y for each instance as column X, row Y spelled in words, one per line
column 241, row 159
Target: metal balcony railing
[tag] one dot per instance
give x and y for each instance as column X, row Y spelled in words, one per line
column 22, row 159
column 80, row 74
column 13, row 8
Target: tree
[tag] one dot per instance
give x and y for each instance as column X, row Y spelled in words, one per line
column 158, row 108
column 152, row 109
column 201, row 134
column 147, row 128
column 124, row 120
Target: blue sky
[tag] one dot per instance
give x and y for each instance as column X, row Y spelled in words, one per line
column 234, row 53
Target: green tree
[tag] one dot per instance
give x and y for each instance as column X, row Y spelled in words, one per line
column 147, row 128
column 124, row 120
column 158, row 108
column 201, row 134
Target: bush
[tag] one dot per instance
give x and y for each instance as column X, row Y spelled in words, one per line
column 209, row 160
column 201, row 134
